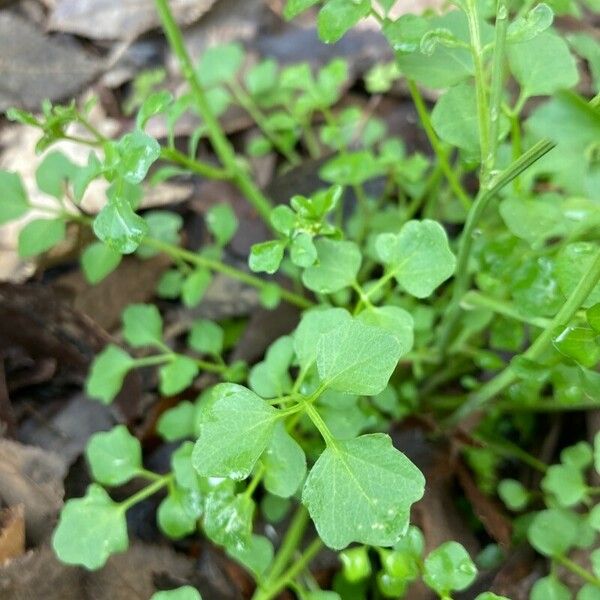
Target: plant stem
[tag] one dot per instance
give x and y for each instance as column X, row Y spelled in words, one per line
column 497, row 84
column 145, row 492
column 508, row 376
column 483, row 114
column 196, row 166
column 578, row 570
column 291, row 541
column 214, row 265
column 477, row 299
column 248, row 104
column 271, row 590
column 219, row 141
column 437, row 146
column 484, row 197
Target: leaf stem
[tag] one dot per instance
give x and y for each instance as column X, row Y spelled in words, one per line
column 483, row 114
column 219, row 267
column 578, row 570
column 194, row 165
column 437, row 146
column 145, row 492
column 218, row 139
column 497, row 85
column 508, row 376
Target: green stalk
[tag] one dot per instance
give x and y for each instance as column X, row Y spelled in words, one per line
column 497, row 84
column 288, row 577
column 196, row 166
column 484, row 197
column 146, row 492
column 578, row 570
column 218, row 139
column 217, row 266
column 483, row 113
column 508, row 376
column 291, row 541
column 437, row 145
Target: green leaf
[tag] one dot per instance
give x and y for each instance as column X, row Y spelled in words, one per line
column 137, row 151
column 580, row 456
column 14, row 202
column 361, row 491
column 338, row 16
column 228, row 518
column 579, row 343
column 179, row 512
column 573, row 262
column 449, row 567
column 98, row 261
column 142, row 325
column 220, row 64
column 270, row 296
column 315, row 323
column 53, row 173
column 356, row 564
column 90, row 529
column 597, row 452
column 256, row 555
column 588, row 592
column 177, row 423
column 550, row 588
column 270, row 378
column 351, row 168
column 177, row 375
column 114, row 456
column 187, row 592
column 419, row 256
column 553, row 532
column 593, row 317
column 357, row 358
column 543, row 65
column 566, row 483
column 206, row 337
column 303, row 251
column 154, row 104
column 40, row 235
column 119, row 227
column 394, row 320
column 163, row 225
column 194, row 287
column 107, row 373
column 170, row 284
column 295, row 7
column 454, row 118
column 525, row 28
column 222, row 223
column 514, row 494
column 235, row 427
column 266, row 256
column 284, row 462
column 336, row 267
column 490, row 596
column 447, row 66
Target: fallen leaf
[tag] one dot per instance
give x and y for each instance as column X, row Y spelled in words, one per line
column 119, row 19
column 34, row 66
column 12, row 533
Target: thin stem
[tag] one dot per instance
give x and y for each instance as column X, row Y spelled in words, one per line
column 145, row 492
column 497, row 83
column 578, row 570
column 485, row 196
column 255, row 481
column 472, row 12
column 248, row 104
column 219, row 141
column 291, row 541
column 196, row 166
column 508, row 376
column 217, row 266
column 477, row 299
column 437, row 146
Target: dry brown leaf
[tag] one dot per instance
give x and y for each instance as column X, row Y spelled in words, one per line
column 34, row 66
column 12, row 533
column 119, row 19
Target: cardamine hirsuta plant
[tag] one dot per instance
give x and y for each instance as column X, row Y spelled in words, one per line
column 480, row 330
